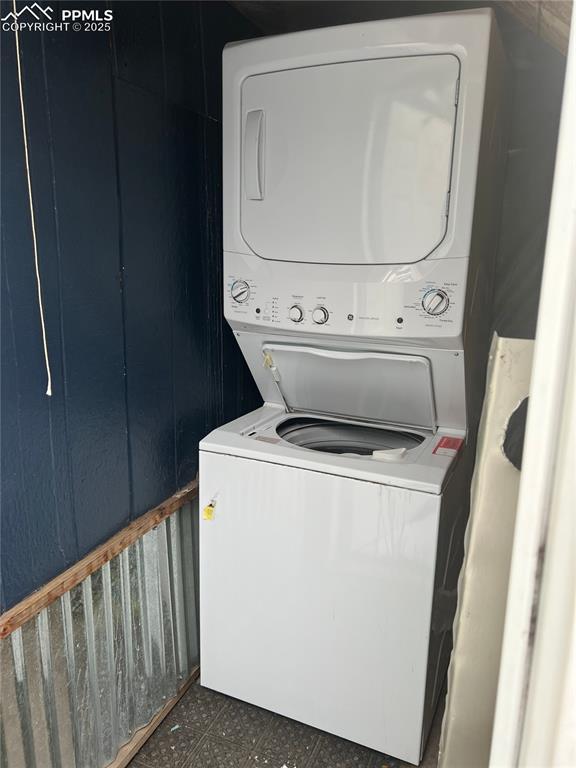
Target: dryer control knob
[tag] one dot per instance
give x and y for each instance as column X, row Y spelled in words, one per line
column 240, row 291
column 435, row 302
column 320, row 315
column 296, row 313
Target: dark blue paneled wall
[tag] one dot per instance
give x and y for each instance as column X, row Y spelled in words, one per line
column 124, row 137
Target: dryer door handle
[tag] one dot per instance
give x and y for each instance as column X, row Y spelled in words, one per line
column 254, row 155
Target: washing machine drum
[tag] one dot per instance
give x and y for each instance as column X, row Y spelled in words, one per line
column 345, row 439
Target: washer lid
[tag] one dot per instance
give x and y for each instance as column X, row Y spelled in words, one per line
column 378, row 387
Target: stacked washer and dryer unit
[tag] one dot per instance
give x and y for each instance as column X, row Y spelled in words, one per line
column 361, row 199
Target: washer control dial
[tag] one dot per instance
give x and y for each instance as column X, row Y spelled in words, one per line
column 435, row 302
column 240, row 291
column 320, row 315
column 296, row 313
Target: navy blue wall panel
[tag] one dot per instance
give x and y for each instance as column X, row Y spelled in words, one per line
column 125, row 148
column 37, row 525
column 78, row 73
column 193, row 279
column 220, row 24
column 138, row 40
column 148, row 266
column 185, row 74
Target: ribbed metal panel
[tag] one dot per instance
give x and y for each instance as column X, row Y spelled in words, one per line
column 101, row 661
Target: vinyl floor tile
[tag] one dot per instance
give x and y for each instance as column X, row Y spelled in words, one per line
column 217, row 753
column 291, row 740
column 241, row 722
column 263, row 758
column 333, row 752
column 198, row 708
column 167, row 748
column 209, row 730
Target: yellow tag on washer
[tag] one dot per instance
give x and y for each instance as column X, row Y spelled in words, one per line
column 208, row 512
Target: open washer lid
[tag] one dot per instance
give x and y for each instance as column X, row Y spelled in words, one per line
column 378, row 387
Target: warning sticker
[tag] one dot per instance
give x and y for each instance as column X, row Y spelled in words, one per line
column 208, row 512
column 448, row 446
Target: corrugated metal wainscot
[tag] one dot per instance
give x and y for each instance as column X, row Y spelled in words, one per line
column 99, row 662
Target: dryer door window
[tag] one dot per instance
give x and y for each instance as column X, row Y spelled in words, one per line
column 348, row 163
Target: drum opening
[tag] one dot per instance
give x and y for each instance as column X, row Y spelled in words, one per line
column 343, row 438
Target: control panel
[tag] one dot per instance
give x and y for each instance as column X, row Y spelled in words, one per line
column 416, row 301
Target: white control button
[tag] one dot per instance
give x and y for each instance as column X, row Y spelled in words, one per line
column 320, row 315
column 296, row 313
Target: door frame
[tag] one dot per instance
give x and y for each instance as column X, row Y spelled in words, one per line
column 535, row 710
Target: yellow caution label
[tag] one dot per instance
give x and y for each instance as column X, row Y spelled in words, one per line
column 208, row 512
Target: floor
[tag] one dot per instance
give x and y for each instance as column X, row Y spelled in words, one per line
column 209, row 730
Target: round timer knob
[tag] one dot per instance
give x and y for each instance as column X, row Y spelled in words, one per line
column 296, row 313
column 435, row 302
column 320, row 315
column 240, row 291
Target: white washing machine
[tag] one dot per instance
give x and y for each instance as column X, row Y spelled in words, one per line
column 361, row 199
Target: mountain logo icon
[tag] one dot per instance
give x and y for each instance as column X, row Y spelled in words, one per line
column 35, row 11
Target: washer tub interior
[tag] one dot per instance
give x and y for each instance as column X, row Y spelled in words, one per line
column 344, row 438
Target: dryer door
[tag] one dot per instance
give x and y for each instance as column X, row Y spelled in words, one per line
column 348, row 163
column 377, row 387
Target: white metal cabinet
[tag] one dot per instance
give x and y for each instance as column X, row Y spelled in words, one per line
column 316, row 596
column 348, row 163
